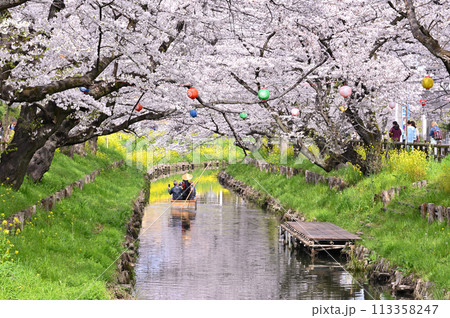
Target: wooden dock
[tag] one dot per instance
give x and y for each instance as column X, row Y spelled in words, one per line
column 316, row 236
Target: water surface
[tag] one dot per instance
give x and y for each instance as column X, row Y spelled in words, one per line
column 228, row 250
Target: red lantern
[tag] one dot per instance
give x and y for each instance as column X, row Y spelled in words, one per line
column 295, row 111
column 392, row 105
column 345, row 91
column 139, row 107
column 423, row 101
column 192, row 93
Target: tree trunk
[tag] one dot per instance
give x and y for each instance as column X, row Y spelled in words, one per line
column 42, row 159
column 93, row 145
column 14, row 161
column 33, row 129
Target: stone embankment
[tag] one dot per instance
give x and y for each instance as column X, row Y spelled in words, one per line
column 289, row 172
column 127, row 260
column 381, row 271
column 19, row 219
column 376, row 268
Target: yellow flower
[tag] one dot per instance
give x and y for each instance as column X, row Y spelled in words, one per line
column 5, row 222
column 6, row 231
column 17, row 252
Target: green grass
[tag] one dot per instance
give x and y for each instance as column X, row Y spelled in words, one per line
column 407, row 240
column 62, row 252
column 63, row 172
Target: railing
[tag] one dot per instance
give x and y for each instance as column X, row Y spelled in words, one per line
column 439, row 151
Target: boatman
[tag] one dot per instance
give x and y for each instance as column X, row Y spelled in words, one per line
column 175, row 191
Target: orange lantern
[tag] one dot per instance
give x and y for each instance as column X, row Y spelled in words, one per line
column 192, row 93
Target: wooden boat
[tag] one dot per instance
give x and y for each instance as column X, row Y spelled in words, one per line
column 184, row 204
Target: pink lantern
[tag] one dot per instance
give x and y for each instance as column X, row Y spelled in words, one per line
column 345, row 91
column 392, row 105
column 295, row 111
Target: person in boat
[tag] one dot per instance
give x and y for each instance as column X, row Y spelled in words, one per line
column 186, row 186
column 176, row 191
column 193, row 192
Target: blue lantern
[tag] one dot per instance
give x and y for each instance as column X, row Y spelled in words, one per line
column 193, row 113
column 84, row 90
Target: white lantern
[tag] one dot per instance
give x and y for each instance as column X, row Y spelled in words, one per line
column 345, row 91
column 392, row 105
column 295, row 111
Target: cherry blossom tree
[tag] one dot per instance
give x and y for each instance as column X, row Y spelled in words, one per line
column 302, row 51
column 109, row 49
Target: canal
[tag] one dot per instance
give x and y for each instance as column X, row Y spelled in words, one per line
column 229, row 249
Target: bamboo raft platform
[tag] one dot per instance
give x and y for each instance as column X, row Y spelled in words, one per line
column 316, row 236
column 184, row 204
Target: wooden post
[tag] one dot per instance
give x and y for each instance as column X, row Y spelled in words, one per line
column 423, row 210
column 430, row 211
column 440, row 213
column 448, row 215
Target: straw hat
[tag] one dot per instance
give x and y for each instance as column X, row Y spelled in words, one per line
column 187, row 176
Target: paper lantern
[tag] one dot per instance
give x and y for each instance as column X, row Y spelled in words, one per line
column 84, row 90
column 427, row 82
column 193, row 113
column 343, row 108
column 295, row 111
column 138, row 107
column 345, row 91
column 192, row 93
column 423, row 102
column 392, row 105
column 243, row 115
column 263, row 94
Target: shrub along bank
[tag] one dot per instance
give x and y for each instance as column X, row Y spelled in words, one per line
column 405, row 239
column 66, row 253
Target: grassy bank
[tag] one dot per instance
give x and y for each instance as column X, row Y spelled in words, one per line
column 63, row 172
column 65, row 253
column 407, row 240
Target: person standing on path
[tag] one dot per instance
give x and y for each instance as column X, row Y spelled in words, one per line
column 411, row 136
column 435, row 134
column 395, row 133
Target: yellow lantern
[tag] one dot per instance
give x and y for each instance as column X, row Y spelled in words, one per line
column 427, row 82
column 343, row 108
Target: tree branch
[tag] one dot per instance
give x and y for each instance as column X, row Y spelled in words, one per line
column 423, row 36
column 37, row 93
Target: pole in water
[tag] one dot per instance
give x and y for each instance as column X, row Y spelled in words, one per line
column 290, row 241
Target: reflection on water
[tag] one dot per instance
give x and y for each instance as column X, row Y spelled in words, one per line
column 228, row 250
